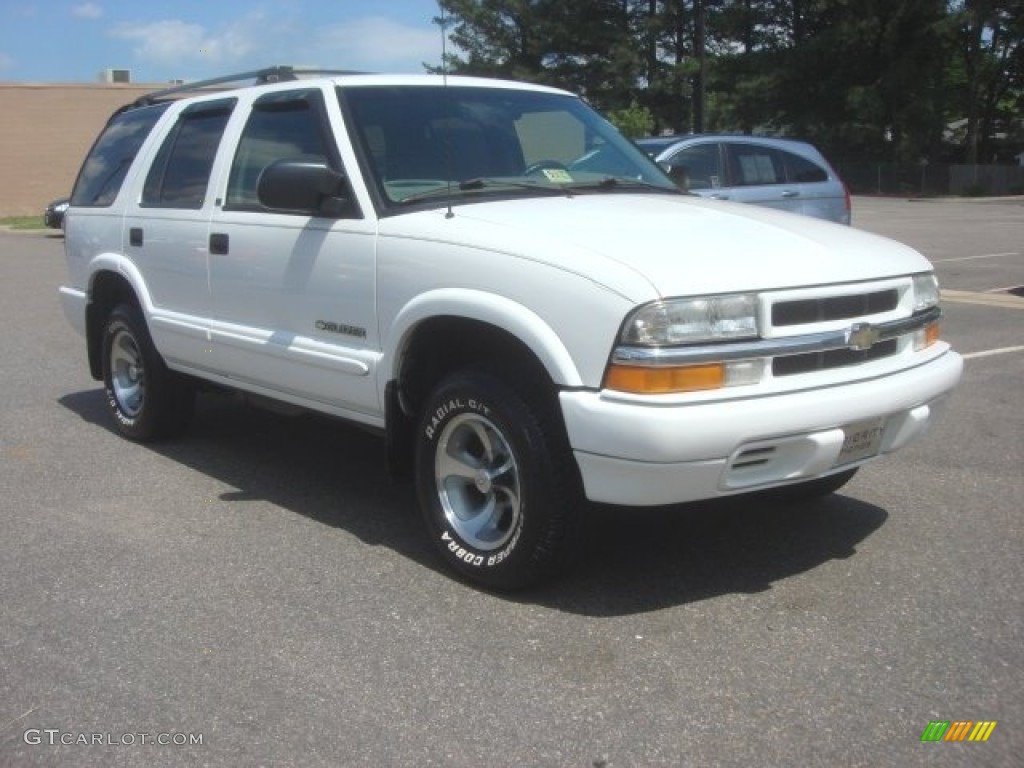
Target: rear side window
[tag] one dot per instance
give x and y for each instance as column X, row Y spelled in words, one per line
column 111, row 156
column 181, row 169
column 753, row 165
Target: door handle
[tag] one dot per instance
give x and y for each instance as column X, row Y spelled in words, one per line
column 135, row 236
column 218, row 244
column 790, row 193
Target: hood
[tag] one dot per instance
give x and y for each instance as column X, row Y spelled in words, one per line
column 675, row 246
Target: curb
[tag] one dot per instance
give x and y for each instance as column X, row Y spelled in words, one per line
column 44, row 230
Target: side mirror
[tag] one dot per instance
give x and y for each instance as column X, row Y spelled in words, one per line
column 302, row 186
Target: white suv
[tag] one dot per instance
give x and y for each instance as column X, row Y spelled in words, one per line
column 512, row 292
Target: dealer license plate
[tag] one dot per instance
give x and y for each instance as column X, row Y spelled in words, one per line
column 862, row 439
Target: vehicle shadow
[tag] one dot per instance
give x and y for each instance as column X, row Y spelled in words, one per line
column 324, row 469
column 644, row 559
column 630, row 560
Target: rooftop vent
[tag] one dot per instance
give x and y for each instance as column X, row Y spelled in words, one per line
column 116, row 76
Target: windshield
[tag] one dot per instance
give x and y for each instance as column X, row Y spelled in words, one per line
column 431, row 143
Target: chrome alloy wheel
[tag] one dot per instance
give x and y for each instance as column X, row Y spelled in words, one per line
column 477, row 482
column 127, row 373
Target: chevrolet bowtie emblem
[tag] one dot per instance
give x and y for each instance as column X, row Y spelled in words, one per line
column 862, row 336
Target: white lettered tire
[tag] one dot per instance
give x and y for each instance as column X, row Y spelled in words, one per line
column 495, row 482
column 147, row 401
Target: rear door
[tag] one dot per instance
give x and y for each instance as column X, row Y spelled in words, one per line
column 165, row 232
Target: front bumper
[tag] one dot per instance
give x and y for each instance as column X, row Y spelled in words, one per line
column 645, row 454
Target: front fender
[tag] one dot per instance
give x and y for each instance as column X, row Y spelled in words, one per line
column 484, row 307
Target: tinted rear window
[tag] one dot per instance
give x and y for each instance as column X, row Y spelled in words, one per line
column 111, row 156
column 803, row 170
column 181, row 169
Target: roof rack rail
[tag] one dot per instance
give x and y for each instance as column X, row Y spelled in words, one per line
column 275, row 74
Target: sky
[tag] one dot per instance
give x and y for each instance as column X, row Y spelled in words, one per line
column 73, row 40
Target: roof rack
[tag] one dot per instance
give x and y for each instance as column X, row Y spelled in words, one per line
column 275, row 74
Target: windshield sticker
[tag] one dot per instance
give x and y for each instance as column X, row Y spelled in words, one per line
column 557, row 176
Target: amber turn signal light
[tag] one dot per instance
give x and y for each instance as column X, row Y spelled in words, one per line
column 646, row 380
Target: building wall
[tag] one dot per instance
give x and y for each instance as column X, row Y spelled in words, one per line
column 45, row 131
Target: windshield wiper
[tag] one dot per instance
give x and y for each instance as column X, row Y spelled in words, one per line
column 609, row 183
column 481, row 182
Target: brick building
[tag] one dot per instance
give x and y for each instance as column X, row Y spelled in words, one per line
column 46, row 129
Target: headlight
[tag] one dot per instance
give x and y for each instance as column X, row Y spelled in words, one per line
column 680, row 322
column 692, row 321
column 926, row 291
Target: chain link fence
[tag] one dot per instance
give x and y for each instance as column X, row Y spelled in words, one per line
column 932, row 179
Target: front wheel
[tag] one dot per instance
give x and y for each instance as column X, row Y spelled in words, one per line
column 495, row 482
column 147, row 400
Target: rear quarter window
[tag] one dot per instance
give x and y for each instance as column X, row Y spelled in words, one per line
column 802, row 170
column 112, row 155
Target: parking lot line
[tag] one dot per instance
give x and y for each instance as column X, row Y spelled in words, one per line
column 993, row 352
column 988, row 299
column 979, row 256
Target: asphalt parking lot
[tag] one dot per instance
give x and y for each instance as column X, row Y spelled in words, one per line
column 260, row 586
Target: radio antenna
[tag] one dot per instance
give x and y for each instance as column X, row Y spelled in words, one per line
column 449, row 165
column 444, row 43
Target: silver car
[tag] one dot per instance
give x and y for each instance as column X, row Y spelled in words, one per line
column 778, row 173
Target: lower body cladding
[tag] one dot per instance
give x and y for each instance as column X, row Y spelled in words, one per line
column 640, row 454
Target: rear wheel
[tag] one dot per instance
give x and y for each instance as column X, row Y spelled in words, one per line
column 146, row 399
column 495, row 482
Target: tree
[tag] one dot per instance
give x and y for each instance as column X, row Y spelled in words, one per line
column 497, row 38
column 634, row 122
column 856, row 76
column 877, row 79
column 583, row 45
column 991, row 45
